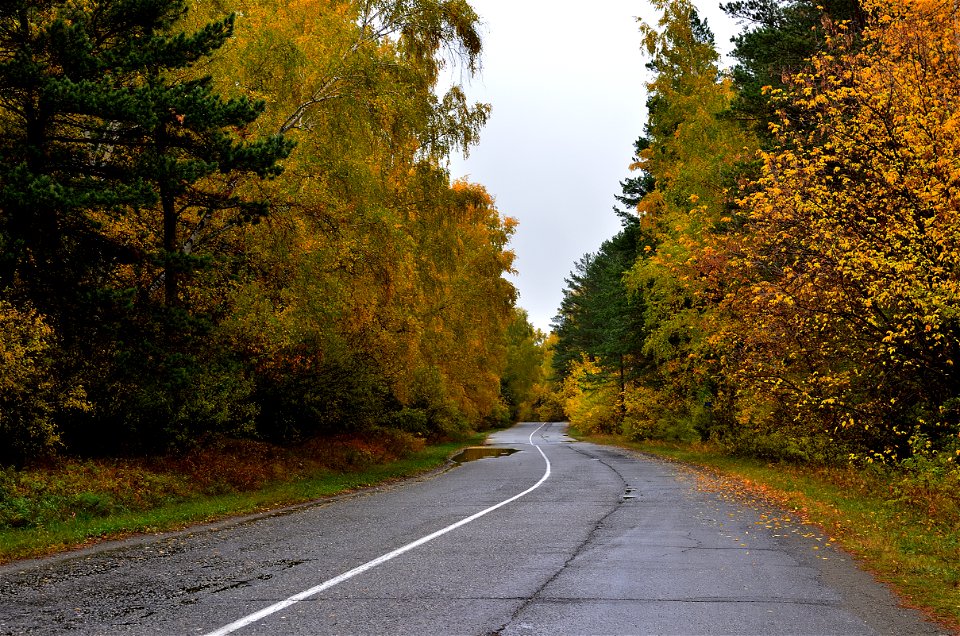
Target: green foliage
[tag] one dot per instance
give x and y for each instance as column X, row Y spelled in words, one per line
column 598, row 316
column 303, row 398
column 779, row 39
column 38, row 498
column 180, row 403
column 411, row 420
column 431, row 394
column 523, row 374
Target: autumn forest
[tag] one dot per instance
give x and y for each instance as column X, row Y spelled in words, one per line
column 786, row 279
column 234, row 219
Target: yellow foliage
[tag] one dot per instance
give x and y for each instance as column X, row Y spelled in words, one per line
column 29, row 390
column 589, row 399
column 853, row 259
column 371, row 247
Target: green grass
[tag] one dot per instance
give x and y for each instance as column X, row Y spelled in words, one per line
column 83, row 503
column 907, row 534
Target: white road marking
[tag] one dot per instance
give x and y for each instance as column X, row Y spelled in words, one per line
column 369, row 565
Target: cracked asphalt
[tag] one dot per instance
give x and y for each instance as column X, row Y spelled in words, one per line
column 611, row 543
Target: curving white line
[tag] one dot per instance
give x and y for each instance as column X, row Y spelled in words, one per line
column 369, row 565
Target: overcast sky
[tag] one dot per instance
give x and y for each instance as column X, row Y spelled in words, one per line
column 566, row 82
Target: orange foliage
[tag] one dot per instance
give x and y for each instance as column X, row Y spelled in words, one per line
column 850, row 273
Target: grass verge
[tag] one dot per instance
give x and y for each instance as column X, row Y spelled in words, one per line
column 909, row 541
column 74, row 504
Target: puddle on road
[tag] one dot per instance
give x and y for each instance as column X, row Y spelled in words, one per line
column 474, row 453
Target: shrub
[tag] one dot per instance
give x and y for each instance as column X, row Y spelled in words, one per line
column 589, row 399
column 31, row 393
column 410, row 420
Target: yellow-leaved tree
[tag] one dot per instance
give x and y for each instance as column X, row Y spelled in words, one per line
column 850, row 271
column 689, row 154
column 373, row 292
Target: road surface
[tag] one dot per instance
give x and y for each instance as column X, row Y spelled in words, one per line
column 560, row 537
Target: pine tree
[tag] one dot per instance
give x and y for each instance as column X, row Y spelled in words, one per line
column 99, row 124
column 779, row 39
column 115, row 158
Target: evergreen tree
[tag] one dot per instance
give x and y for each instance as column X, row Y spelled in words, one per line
column 113, row 161
column 779, row 39
column 598, row 316
column 635, row 188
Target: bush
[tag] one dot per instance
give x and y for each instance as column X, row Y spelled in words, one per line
column 31, row 394
column 41, row 496
column 551, row 407
column 589, row 399
column 650, row 413
column 499, row 416
column 410, row 420
column 172, row 402
column 323, row 393
column 430, row 394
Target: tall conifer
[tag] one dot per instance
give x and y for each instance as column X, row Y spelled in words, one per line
column 114, row 159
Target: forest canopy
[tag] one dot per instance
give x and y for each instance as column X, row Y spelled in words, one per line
column 785, row 283
column 236, row 219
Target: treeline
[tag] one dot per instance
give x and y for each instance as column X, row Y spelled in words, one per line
column 786, row 280
column 237, row 221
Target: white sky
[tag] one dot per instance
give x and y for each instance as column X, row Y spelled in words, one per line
column 566, row 82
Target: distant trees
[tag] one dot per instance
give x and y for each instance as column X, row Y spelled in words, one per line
column 600, row 327
column 522, row 378
column 174, row 283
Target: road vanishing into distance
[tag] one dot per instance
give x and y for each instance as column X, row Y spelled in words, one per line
column 559, row 537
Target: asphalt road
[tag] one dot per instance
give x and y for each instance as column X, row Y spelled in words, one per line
column 599, row 541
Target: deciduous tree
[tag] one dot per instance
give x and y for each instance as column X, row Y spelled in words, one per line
column 850, row 310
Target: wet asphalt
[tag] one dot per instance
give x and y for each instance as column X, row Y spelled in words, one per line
column 610, row 543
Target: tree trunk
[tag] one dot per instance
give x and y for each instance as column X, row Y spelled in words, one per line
column 171, row 278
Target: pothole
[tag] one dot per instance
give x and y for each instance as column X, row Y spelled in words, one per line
column 474, row 453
